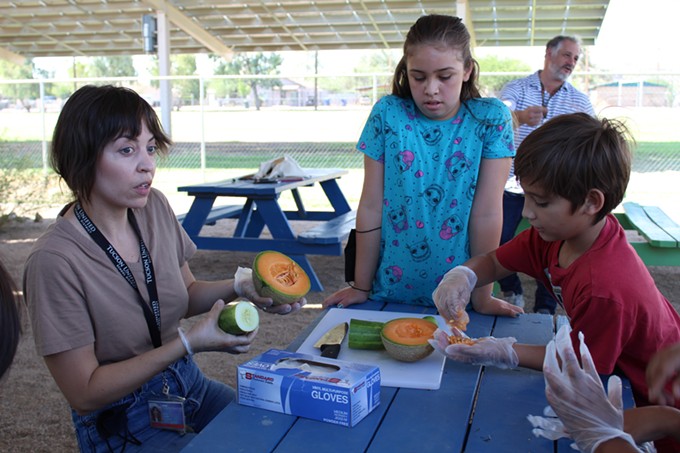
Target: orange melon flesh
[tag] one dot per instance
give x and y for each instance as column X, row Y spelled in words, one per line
column 409, row 331
column 405, row 339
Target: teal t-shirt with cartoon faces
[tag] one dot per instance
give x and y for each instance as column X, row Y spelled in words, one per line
column 430, row 176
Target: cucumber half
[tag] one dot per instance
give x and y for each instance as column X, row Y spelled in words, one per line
column 238, row 318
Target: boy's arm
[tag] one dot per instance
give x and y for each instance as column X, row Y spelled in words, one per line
column 650, row 423
column 530, row 355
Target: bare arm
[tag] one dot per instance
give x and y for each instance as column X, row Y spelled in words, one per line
column 486, row 218
column 88, row 386
column 486, row 222
column 369, row 217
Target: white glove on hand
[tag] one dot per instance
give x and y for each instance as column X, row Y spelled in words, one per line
column 577, row 396
column 497, row 352
column 453, row 294
column 243, row 283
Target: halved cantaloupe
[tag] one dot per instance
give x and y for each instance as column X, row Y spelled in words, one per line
column 277, row 276
column 405, row 339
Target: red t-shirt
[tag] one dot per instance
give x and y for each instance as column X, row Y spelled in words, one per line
column 608, row 294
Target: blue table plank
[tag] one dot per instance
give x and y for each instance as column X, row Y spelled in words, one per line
column 506, row 397
column 434, row 420
column 313, row 436
column 242, row 429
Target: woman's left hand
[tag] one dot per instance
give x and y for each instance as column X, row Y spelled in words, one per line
column 245, row 288
column 206, row 335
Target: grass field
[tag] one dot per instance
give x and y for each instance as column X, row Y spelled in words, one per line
column 237, row 141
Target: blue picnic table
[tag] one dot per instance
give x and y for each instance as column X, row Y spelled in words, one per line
column 476, row 409
column 258, row 207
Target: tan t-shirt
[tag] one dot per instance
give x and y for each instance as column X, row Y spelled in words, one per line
column 76, row 297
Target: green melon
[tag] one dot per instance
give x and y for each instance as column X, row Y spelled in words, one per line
column 277, row 276
column 239, row 318
column 364, row 334
column 405, row 339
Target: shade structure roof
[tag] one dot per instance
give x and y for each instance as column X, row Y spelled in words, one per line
column 42, row 28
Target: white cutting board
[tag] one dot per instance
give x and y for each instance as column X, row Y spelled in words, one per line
column 423, row 374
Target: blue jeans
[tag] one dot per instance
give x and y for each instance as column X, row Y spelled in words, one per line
column 513, row 203
column 205, row 398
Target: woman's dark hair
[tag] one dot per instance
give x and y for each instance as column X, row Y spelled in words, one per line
column 444, row 32
column 10, row 325
column 93, row 117
column 572, row 154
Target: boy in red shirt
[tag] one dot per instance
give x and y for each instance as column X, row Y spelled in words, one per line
column 574, row 171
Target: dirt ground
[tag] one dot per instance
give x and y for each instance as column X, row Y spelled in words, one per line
column 34, row 415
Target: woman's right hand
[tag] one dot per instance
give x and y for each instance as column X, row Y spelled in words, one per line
column 346, row 297
column 206, row 335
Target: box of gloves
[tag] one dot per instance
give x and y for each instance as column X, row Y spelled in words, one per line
column 308, row 386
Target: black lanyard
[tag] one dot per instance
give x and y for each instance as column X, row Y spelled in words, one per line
column 153, row 319
column 544, row 101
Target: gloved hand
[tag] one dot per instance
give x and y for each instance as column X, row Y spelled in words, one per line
column 497, row 352
column 243, row 283
column 548, row 426
column 245, row 288
column 577, row 396
column 453, row 294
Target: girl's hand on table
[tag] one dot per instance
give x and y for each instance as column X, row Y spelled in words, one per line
column 494, row 306
column 345, row 297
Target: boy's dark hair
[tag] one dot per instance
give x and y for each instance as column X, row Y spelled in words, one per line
column 93, row 117
column 571, row 154
column 10, row 325
column 441, row 31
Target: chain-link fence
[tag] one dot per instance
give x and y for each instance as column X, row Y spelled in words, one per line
column 317, row 121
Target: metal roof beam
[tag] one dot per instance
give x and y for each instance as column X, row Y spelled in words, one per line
column 191, row 28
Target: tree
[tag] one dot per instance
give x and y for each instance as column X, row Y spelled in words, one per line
column 186, row 88
column 252, row 64
column 118, row 66
column 493, row 84
column 19, row 92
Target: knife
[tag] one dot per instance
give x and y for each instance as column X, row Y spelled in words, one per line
column 330, row 342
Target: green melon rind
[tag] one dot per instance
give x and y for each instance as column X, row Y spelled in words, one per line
column 407, row 353
column 365, row 334
column 265, row 290
column 239, row 318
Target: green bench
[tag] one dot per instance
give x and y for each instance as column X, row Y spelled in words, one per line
column 654, row 235
column 658, row 241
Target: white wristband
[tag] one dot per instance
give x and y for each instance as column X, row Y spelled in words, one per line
column 185, row 342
